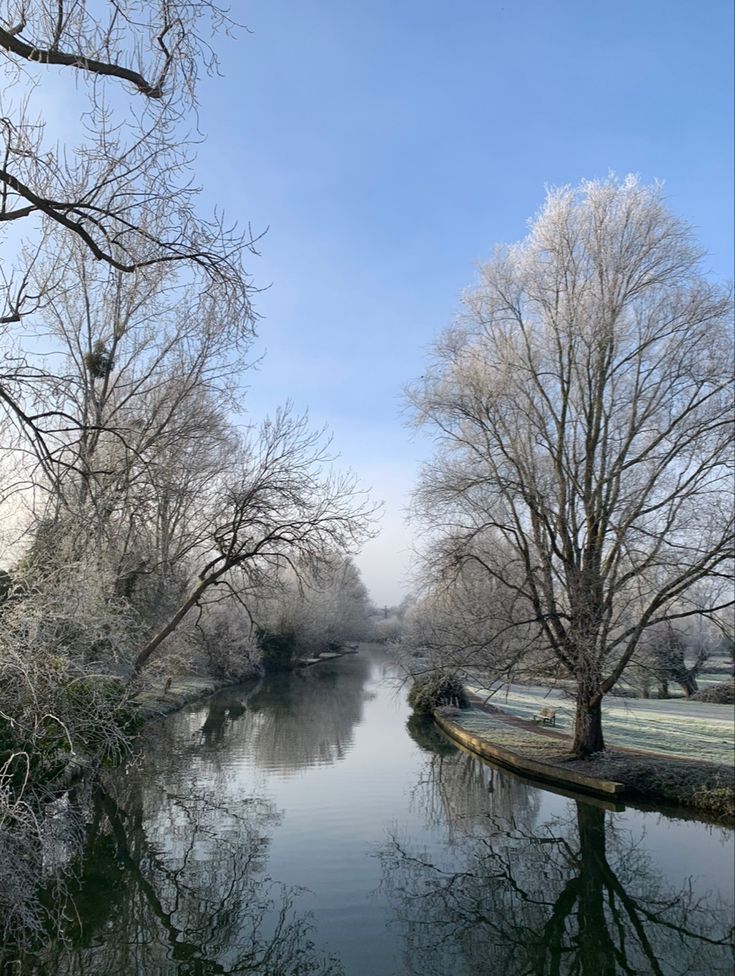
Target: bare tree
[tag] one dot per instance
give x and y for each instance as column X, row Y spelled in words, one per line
column 674, row 651
column 117, row 179
column 283, row 506
column 466, row 620
column 132, row 394
column 133, row 164
column 584, row 416
column 312, row 608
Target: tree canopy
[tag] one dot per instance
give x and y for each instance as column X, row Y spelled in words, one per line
column 583, row 414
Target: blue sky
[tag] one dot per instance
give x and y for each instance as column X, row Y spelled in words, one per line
column 388, row 147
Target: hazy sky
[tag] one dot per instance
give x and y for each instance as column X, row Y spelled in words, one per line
column 388, row 146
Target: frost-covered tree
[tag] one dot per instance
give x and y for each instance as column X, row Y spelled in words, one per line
column 279, row 504
column 674, row 652
column 117, row 185
column 312, row 607
column 467, row 620
column 583, row 411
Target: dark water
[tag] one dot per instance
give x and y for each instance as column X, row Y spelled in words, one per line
column 305, row 828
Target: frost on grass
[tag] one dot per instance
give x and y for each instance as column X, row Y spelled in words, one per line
column 689, row 730
column 703, row 785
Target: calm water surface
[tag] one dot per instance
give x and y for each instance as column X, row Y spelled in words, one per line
column 307, row 826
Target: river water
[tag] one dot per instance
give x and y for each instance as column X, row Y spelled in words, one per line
column 308, row 827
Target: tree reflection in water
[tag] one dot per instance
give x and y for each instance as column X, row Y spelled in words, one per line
column 292, row 720
column 308, row 717
column 174, row 877
column 507, row 896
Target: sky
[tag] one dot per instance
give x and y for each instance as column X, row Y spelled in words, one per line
column 385, row 148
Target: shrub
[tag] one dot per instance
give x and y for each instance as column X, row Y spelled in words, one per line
column 433, row 690
column 279, row 650
column 722, row 693
column 719, row 801
column 697, row 784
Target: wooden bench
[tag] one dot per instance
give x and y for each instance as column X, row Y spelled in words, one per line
column 546, row 716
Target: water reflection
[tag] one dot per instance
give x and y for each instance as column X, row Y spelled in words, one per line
column 197, row 852
column 290, row 721
column 308, row 717
column 174, row 878
column 223, row 712
column 454, row 790
column 509, row 895
column 180, row 889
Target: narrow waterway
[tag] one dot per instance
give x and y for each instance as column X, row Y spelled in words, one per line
column 308, row 826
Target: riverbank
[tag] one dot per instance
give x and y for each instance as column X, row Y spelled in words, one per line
column 312, row 825
column 542, row 752
column 152, row 703
column 172, row 694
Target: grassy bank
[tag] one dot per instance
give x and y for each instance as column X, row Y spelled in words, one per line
column 155, row 702
column 707, row 788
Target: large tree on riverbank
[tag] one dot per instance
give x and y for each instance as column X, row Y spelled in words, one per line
column 582, row 408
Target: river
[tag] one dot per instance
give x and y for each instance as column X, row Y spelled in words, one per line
column 306, row 826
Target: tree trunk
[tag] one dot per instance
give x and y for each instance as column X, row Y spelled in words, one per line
column 171, row 625
column 689, row 683
column 588, row 725
column 597, row 952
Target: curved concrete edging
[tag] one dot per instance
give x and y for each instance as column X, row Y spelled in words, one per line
column 529, row 767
